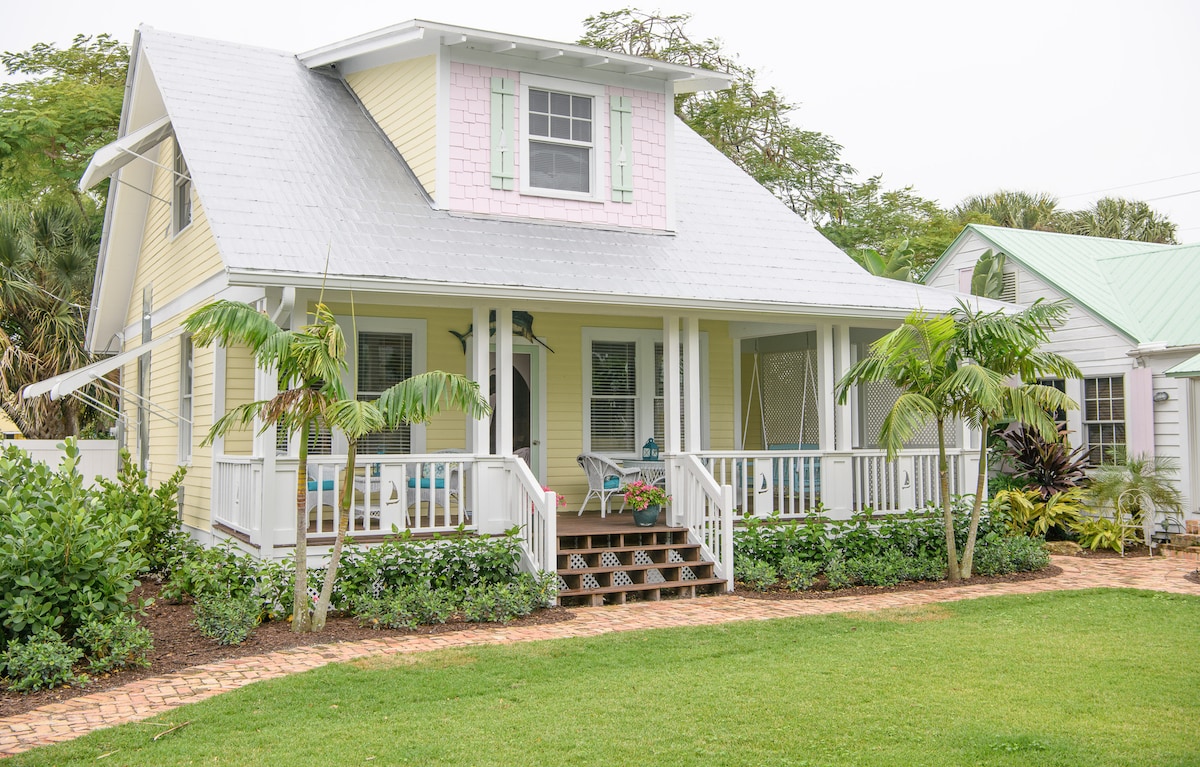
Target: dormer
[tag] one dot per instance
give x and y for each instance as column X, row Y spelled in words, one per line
column 505, row 126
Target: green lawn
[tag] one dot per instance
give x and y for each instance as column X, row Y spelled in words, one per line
column 1075, row 678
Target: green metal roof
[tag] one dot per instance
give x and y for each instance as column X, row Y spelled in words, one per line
column 1189, row 368
column 1145, row 290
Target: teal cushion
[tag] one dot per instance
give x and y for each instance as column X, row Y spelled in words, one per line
column 612, row 483
column 439, row 483
column 325, row 484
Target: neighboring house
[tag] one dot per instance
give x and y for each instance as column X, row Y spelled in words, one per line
column 8, row 429
column 1133, row 330
column 426, row 180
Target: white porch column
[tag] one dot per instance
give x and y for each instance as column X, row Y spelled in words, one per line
column 826, row 383
column 671, row 415
column 844, row 437
column 504, row 380
column 691, row 384
column 266, row 386
column 478, row 368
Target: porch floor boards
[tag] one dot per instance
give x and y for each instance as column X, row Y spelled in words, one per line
column 611, row 560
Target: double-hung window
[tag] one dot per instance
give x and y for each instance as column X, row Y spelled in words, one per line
column 384, row 360
column 181, row 198
column 624, row 391
column 186, row 398
column 1104, row 419
column 561, row 126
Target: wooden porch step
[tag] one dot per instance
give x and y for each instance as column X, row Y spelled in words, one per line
column 681, row 547
column 648, row 591
column 697, row 564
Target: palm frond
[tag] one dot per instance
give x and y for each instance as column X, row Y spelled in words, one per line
column 419, row 398
column 230, row 323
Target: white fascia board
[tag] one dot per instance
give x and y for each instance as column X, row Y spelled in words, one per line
column 371, row 45
column 509, row 294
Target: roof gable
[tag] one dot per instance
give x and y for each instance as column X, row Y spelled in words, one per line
column 301, row 187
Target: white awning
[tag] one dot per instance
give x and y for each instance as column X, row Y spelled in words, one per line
column 108, row 159
column 66, row 383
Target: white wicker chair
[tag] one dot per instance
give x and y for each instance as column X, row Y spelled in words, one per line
column 605, row 478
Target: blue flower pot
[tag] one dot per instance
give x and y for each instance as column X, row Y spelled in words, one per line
column 647, row 517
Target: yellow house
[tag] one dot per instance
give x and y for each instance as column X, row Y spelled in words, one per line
column 526, row 212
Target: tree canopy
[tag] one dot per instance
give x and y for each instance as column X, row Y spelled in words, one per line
column 52, row 122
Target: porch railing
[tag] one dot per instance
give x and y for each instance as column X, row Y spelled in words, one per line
column 796, row 483
column 532, row 510
column 237, row 493
column 421, row 493
column 705, row 507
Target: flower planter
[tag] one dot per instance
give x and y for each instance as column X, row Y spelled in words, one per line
column 646, row 517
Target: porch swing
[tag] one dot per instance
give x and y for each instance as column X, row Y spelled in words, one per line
column 783, row 379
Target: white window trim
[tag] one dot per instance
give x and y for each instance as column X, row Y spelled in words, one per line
column 382, row 325
column 644, row 392
column 187, row 417
column 181, row 181
column 1083, row 419
column 599, row 134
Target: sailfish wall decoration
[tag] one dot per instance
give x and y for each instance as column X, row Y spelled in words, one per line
column 522, row 326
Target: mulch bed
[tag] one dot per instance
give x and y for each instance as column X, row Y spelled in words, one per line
column 1193, row 576
column 820, row 589
column 178, row 646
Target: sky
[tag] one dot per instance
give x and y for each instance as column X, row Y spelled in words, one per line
column 1076, row 99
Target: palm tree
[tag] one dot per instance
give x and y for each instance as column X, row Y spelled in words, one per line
column 1120, row 219
column 310, row 362
column 47, row 262
column 1004, row 347
column 918, row 359
column 1143, row 483
column 1013, row 209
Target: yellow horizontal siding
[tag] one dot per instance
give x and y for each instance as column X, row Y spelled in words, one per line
column 402, row 98
column 163, row 391
column 239, row 390
column 171, row 263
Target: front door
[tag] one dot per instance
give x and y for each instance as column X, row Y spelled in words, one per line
column 526, row 405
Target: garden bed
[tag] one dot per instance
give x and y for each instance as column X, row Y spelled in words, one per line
column 820, row 589
column 178, row 645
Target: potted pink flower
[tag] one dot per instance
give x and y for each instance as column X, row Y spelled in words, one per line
column 646, row 501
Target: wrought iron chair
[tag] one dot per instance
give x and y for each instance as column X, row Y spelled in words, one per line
column 605, row 478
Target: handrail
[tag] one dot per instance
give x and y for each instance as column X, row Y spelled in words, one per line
column 706, row 509
column 538, row 527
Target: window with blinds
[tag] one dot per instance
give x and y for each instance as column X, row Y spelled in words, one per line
column 614, row 397
column 384, row 360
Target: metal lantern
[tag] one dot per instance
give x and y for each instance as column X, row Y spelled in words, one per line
column 650, row 450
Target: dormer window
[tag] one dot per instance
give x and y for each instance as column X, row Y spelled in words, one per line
column 561, row 152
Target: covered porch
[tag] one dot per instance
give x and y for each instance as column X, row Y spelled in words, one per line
column 750, row 426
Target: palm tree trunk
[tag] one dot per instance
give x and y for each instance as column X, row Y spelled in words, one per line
column 968, row 560
column 335, row 558
column 952, row 571
column 301, row 621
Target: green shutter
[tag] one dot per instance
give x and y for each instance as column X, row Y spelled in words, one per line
column 503, row 132
column 620, row 129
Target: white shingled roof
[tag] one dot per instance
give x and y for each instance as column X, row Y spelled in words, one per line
column 291, row 171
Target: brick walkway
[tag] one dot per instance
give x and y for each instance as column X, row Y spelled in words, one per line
column 147, row 697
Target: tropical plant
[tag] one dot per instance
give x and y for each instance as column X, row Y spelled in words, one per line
column 310, row 362
column 1103, row 533
column 896, row 265
column 1143, row 484
column 47, row 260
column 1028, row 513
column 987, row 278
column 991, row 349
column 1047, row 466
column 1013, row 209
column 918, row 358
column 1119, row 219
